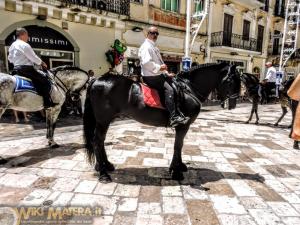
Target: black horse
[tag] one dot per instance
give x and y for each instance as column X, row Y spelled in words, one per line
column 111, row 96
column 252, row 84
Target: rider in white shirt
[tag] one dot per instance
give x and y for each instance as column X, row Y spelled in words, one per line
column 155, row 74
column 22, row 56
column 271, row 73
column 269, row 82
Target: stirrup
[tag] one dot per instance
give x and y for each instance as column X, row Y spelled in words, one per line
column 179, row 120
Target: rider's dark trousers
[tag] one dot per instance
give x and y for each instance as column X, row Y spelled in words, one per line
column 39, row 80
column 269, row 86
column 162, row 84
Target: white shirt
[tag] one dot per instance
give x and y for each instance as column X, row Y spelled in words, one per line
column 271, row 74
column 21, row 54
column 150, row 58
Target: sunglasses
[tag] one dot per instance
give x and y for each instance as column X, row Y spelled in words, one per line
column 154, row 33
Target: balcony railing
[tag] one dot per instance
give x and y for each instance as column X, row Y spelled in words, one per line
column 121, row 7
column 235, row 41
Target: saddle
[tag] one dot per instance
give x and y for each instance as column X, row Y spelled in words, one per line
column 24, row 84
column 152, row 97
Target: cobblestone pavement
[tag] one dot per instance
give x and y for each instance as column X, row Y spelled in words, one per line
column 238, row 173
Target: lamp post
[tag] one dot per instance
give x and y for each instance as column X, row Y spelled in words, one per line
column 187, row 59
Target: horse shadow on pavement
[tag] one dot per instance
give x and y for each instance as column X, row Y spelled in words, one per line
column 265, row 124
column 197, row 175
column 38, row 156
column 159, row 176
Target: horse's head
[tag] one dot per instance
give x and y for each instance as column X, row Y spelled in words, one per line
column 229, row 87
column 249, row 80
column 72, row 80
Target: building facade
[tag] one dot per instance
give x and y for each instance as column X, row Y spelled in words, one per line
column 64, row 32
column 275, row 39
column 170, row 18
column 79, row 32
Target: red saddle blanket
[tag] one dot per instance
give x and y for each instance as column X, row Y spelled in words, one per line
column 151, row 97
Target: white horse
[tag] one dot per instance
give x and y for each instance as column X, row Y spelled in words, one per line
column 69, row 80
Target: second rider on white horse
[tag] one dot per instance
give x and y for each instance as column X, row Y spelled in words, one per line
column 22, row 56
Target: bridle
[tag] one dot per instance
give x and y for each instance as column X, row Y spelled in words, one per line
column 225, row 79
column 76, row 93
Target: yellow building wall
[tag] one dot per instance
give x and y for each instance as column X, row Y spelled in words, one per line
column 93, row 41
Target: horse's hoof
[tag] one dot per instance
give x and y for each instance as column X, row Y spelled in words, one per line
column 105, row 178
column 256, row 123
column 247, row 122
column 177, row 175
column 276, row 124
column 53, row 145
column 183, row 167
column 109, row 167
column 296, row 146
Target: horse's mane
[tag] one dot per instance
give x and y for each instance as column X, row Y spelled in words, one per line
column 201, row 66
column 66, row 67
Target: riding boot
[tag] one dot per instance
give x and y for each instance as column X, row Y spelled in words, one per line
column 175, row 117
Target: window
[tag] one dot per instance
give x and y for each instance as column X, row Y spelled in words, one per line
column 260, row 38
column 276, row 46
column 267, row 4
column 199, row 6
column 137, row 1
column 279, row 8
column 170, row 5
column 246, row 30
column 227, row 29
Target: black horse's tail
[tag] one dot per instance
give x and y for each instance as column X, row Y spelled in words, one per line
column 89, row 125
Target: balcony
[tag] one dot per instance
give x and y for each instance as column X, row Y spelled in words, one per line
column 171, row 19
column 121, row 7
column 235, row 41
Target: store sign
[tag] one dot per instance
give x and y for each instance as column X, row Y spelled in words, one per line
column 43, row 38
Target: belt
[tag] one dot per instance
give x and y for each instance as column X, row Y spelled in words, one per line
column 22, row 67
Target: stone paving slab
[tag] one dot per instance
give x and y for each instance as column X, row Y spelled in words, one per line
column 239, row 174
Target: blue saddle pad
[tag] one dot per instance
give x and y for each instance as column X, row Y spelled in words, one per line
column 24, row 85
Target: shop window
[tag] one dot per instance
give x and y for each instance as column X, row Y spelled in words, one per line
column 170, row 5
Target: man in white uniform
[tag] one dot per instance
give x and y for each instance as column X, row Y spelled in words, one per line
column 155, row 74
column 22, row 56
column 269, row 82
